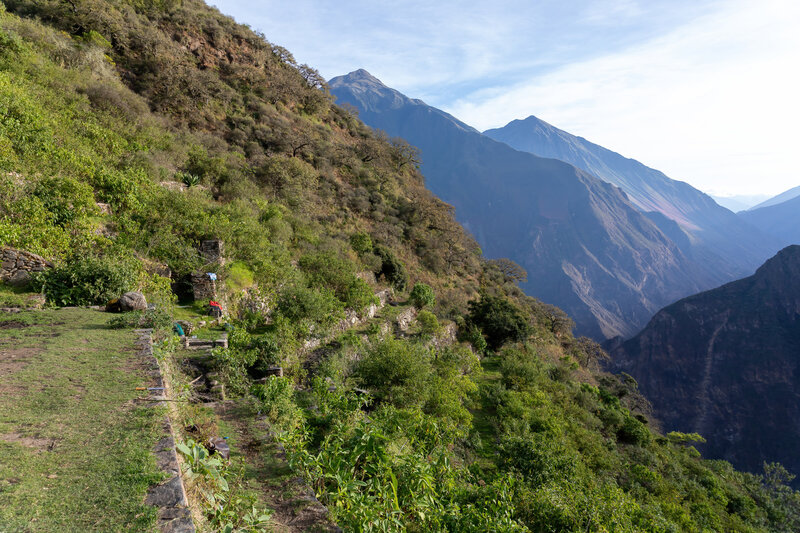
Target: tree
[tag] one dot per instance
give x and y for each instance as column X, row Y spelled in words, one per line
column 510, row 270
column 499, row 320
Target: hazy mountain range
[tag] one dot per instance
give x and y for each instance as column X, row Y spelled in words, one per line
column 781, row 220
column 739, row 202
column 610, row 255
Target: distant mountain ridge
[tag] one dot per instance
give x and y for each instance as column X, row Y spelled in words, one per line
column 781, row 220
column 586, row 248
column 785, row 196
column 725, row 363
column 727, row 246
column 739, row 202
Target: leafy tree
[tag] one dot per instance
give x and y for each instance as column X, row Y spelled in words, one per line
column 509, row 269
column 499, row 320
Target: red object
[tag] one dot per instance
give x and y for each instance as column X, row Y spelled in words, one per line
column 212, row 303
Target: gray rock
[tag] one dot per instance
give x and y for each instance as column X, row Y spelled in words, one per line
column 168, row 494
column 133, row 301
column 19, row 279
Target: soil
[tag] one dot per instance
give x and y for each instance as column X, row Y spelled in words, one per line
column 29, row 442
column 12, row 361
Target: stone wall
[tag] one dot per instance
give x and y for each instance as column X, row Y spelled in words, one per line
column 16, row 266
column 212, row 251
column 203, row 287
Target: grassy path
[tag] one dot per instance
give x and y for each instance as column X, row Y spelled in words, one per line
column 74, row 445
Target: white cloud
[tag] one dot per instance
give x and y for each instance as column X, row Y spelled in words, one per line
column 714, row 102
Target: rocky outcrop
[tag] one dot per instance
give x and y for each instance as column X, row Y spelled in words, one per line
column 16, row 266
column 725, row 363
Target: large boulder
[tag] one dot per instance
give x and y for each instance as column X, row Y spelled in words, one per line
column 20, row 278
column 132, row 301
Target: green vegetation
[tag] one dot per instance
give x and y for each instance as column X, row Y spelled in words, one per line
column 227, row 510
column 422, row 296
column 75, row 446
column 132, row 131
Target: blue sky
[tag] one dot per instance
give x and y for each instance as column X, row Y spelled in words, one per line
column 706, row 91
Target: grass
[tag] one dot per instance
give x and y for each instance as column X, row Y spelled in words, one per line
column 75, row 446
column 17, row 297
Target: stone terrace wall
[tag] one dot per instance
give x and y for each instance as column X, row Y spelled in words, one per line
column 17, row 265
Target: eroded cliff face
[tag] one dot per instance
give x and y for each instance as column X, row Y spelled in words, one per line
column 726, row 364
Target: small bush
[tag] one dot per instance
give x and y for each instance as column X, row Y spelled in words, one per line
column 472, row 334
column 422, row 296
column 361, row 243
column 276, row 400
column 428, row 324
column 634, row 432
column 303, row 305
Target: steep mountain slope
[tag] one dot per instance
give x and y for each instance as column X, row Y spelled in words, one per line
column 785, row 196
column 585, row 247
column 781, row 220
column 725, row 363
column 722, row 244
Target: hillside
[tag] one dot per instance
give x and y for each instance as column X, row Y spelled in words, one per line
column 780, row 220
column 723, row 246
column 723, row 363
column 400, row 379
column 585, row 247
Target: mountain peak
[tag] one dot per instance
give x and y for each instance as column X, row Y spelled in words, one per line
column 360, row 77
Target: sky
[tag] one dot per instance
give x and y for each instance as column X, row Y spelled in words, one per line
column 707, row 91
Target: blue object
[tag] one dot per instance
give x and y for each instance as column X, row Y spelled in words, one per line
column 178, row 329
column 212, row 276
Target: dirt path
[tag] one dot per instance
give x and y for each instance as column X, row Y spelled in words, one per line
column 294, row 506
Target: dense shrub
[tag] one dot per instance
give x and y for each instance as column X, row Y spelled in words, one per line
column 396, row 372
column 328, row 270
column 391, row 268
column 89, row 279
column 472, row 334
column 422, row 296
column 428, row 323
column 361, row 243
column 306, row 307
